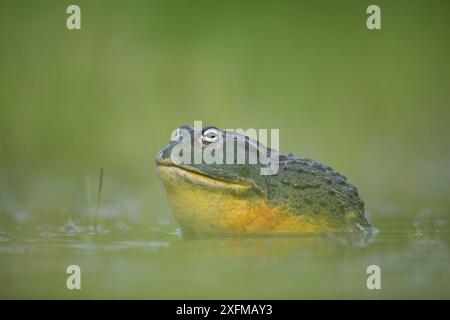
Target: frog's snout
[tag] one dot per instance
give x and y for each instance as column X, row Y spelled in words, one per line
column 163, row 157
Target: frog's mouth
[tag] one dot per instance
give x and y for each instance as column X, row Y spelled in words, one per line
column 173, row 175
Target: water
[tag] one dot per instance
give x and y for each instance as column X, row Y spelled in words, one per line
column 166, row 264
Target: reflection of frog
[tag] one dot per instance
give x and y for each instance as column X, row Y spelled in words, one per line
column 303, row 196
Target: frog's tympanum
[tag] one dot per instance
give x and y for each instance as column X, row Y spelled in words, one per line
column 303, row 195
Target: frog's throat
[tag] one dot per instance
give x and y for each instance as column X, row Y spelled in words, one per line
column 172, row 174
column 204, row 204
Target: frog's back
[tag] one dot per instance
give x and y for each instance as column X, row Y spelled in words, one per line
column 307, row 188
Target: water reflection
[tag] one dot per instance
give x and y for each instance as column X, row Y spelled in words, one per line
column 283, row 244
column 166, row 263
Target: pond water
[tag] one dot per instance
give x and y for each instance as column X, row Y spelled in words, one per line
column 414, row 263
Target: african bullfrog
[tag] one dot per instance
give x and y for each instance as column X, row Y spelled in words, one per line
column 303, row 196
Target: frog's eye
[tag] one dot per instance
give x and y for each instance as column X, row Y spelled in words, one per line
column 210, row 135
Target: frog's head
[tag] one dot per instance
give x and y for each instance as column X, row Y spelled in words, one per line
column 208, row 171
column 213, row 158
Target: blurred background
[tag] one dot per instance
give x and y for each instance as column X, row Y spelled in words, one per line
column 373, row 104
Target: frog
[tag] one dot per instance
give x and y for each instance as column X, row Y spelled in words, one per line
column 302, row 196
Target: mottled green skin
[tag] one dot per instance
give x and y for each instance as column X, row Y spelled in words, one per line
column 301, row 186
column 305, row 185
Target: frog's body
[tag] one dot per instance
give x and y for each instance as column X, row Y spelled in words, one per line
column 304, row 195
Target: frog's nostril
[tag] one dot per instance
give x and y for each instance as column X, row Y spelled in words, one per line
column 160, row 156
column 163, row 157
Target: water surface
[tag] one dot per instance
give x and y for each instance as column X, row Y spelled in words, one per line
column 414, row 263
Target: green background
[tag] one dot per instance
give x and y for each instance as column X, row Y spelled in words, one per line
column 373, row 104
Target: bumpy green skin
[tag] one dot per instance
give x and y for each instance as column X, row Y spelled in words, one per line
column 301, row 186
column 305, row 185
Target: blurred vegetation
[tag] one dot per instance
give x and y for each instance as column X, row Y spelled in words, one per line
column 372, row 104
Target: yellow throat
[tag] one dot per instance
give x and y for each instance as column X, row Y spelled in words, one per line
column 204, row 204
